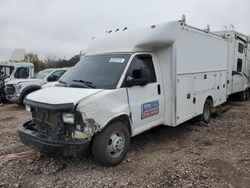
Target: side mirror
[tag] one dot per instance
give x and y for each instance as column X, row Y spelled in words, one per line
column 130, row 82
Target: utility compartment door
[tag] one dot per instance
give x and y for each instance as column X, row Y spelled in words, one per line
column 185, row 98
column 146, row 102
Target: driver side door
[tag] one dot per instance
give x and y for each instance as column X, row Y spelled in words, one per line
column 146, row 100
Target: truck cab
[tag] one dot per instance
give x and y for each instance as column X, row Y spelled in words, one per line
column 89, row 98
column 13, row 72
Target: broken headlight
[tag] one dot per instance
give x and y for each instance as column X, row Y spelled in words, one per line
column 68, row 118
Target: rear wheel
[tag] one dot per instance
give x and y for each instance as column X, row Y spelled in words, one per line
column 207, row 111
column 247, row 94
column 244, row 95
column 111, row 145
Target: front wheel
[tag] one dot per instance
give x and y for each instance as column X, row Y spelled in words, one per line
column 111, row 145
column 207, row 111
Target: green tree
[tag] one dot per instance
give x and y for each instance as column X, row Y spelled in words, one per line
column 38, row 64
column 53, row 62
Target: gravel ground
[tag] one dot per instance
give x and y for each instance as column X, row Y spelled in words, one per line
column 191, row 155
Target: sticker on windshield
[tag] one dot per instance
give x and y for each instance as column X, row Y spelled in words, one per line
column 116, row 60
column 149, row 109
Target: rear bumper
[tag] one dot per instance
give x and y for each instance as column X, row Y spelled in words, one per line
column 45, row 145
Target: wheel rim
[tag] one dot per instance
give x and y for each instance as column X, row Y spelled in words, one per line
column 116, row 144
column 207, row 112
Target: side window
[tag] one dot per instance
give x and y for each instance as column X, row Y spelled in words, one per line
column 239, row 65
column 142, row 67
column 241, row 48
column 22, row 73
column 56, row 75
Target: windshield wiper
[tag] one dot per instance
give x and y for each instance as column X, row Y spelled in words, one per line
column 88, row 84
column 62, row 82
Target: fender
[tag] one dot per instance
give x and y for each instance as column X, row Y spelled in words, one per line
column 28, row 90
column 119, row 115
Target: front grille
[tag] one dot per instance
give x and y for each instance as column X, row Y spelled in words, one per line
column 10, row 89
column 45, row 121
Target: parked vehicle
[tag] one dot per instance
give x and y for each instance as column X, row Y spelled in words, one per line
column 238, row 63
column 17, row 90
column 2, row 93
column 14, row 71
column 131, row 81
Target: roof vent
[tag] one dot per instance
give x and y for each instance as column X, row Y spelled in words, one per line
column 224, row 28
column 232, row 27
column 110, row 31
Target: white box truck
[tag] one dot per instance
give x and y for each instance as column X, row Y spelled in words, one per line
column 128, row 82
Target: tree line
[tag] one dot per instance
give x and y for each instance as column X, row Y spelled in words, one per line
column 51, row 62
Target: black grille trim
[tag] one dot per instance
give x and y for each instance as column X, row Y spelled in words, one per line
column 50, row 107
column 10, row 89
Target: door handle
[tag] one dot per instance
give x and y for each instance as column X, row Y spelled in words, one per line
column 159, row 89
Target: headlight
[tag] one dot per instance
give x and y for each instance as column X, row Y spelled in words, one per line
column 27, row 107
column 19, row 87
column 69, row 118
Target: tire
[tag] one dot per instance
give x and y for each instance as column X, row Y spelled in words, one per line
column 247, row 94
column 207, row 111
column 244, row 95
column 24, row 96
column 111, row 145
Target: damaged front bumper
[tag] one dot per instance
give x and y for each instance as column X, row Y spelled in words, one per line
column 46, row 145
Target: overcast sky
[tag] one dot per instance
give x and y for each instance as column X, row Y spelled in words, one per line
column 62, row 28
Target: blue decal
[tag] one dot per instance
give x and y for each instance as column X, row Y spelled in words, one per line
column 149, row 109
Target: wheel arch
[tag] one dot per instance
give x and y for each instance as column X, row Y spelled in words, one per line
column 28, row 90
column 121, row 117
column 211, row 99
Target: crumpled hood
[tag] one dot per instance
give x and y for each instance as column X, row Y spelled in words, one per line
column 61, row 95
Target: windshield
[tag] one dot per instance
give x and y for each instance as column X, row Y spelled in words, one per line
column 99, row 71
column 42, row 74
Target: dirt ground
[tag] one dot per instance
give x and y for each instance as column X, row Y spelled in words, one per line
column 191, row 155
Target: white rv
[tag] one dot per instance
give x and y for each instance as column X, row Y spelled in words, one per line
column 128, row 82
column 238, row 63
